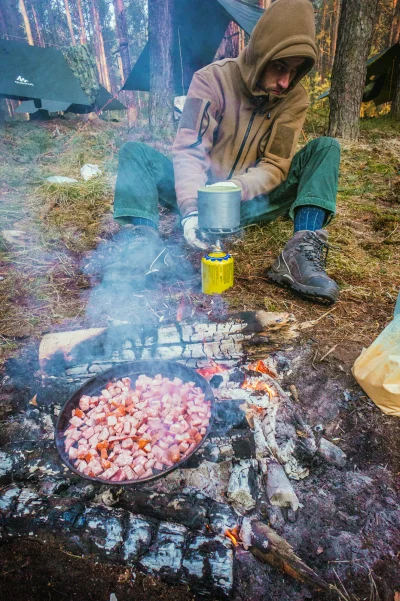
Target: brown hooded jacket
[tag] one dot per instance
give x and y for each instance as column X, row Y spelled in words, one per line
column 232, row 130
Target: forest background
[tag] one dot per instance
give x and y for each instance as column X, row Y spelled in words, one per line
column 117, row 30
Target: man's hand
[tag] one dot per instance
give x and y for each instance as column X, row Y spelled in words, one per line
column 190, row 225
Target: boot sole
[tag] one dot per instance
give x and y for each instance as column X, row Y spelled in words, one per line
column 288, row 281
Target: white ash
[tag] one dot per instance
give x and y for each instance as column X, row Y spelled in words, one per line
column 109, row 497
column 222, row 566
column 279, row 490
column 28, row 502
column 209, row 478
column 245, row 531
column 167, row 550
column 137, row 539
column 8, row 497
column 6, row 464
column 194, row 564
column 273, row 415
column 110, row 532
column 242, row 491
column 222, row 518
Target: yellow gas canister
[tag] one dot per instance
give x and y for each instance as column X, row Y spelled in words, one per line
column 216, row 272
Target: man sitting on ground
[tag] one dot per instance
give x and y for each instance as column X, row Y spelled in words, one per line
column 240, row 125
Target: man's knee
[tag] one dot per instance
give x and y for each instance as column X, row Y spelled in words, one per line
column 324, row 142
column 132, row 149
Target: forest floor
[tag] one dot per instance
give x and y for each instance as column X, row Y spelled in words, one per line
column 60, row 224
column 49, row 232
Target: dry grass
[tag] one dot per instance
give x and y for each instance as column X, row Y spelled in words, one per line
column 72, row 213
column 42, row 285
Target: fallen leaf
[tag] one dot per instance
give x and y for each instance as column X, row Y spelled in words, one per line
column 33, row 401
column 320, row 550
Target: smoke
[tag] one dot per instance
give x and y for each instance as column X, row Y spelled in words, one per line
column 133, row 276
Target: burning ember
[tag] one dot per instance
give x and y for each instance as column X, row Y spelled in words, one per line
column 233, row 534
column 259, row 385
column 211, row 370
column 261, row 367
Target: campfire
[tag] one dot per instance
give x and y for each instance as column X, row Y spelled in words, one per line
column 206, row 515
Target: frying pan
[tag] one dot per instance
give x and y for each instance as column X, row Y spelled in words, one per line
column 168, row 369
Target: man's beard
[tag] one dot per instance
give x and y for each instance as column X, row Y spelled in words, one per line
column 270, row 92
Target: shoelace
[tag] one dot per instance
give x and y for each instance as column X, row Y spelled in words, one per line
column 315, row 250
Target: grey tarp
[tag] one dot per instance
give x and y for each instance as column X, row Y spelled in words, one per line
column 32, row 72
column 53, row 106
column 104, row 101
column 382, row 73
column 198, row 28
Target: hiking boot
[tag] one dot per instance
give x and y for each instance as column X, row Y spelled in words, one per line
column 137, row 254
column 301, row 266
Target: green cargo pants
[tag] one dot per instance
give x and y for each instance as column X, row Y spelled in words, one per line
column 146, row 178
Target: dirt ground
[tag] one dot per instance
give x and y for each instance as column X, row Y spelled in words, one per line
column 31, row 572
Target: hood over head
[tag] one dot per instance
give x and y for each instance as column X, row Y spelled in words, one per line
column 287, row 28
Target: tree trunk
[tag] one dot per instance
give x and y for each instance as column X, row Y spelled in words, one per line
column 26, row 22
column 395, row 108
column 82, row 35
column 229, row 47
column 69, row 21
column 395, row 29
column 11, row 17
column 124, row 59
column 102, row 61
column 241, row 39
column 321, row 65
column 349, row 70
column 334, row 30
column 52, row 23
column 37, row 27
column 161, row 101
column 122, row 32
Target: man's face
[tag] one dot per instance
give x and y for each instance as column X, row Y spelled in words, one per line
column 279, row 74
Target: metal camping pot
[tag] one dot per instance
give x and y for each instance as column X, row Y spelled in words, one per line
column 219, row 209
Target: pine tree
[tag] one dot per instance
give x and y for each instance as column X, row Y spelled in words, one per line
column 161, row 102
column 395, row 28
column 82, row 32
column 122, row 34
column 99, row 43
column 349, row 70
column 69, row 21
column 26, row 22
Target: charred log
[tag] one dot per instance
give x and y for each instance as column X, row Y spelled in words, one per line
column 85, row 353
column 166, row 549
column 271, row 548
